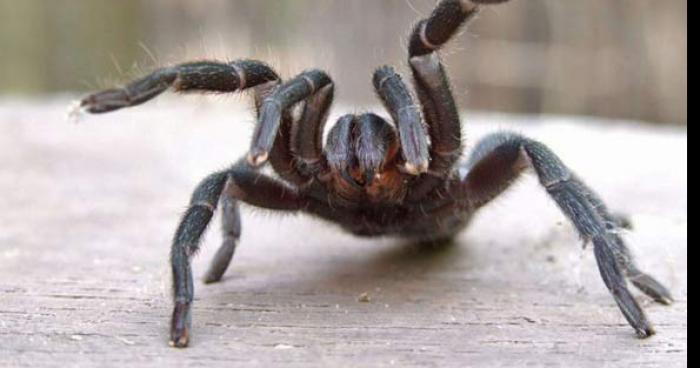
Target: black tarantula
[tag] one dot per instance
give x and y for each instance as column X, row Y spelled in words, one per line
column 372, row 177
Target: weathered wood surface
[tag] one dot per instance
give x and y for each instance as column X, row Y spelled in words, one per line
column 88, row 211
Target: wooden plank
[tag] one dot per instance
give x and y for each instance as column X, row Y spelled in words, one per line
column 90, row 209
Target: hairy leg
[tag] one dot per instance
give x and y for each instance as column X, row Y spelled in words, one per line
column 406, row 114
column 203, row 76
column 434, row 92
column 296, row 154
column 207, row 76
column 296, row 90
column 433, row 88
column 623, row 254
column 231, row 233
column 240, row 183
column 306, row 141
column 500, row 158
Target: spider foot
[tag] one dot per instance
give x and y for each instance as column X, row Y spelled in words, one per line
column 622, row 221
column 223, row 256
column 105, row 101
column 180, row 325
column 614, row 278
column 645, row 332
column 654, row 289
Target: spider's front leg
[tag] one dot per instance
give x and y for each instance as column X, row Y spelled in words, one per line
column 239, row 183
column 433, row 88
column 500, row 158
column 314, row 86
column 276, row 136
column 202, row 76
column 296, row 153
column 406, row 114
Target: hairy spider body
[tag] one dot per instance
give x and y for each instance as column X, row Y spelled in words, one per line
column 372, row 177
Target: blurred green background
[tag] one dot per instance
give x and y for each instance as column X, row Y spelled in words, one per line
column 611, row 58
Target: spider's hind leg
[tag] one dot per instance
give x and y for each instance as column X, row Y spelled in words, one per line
column 500, row 158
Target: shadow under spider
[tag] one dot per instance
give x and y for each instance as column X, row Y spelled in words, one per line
column 392, row 269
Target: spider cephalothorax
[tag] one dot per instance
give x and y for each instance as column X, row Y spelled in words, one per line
column 372, row 177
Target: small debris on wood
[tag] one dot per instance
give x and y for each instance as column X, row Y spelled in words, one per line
column 530, row 320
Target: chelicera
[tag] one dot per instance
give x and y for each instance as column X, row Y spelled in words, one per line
column 372, row 177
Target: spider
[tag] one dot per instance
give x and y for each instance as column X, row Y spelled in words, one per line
column 372, row 177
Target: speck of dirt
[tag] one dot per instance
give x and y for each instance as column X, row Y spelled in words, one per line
column 364, row 298
column 529, row 320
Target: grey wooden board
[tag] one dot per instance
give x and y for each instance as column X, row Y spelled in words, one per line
column 88, row 211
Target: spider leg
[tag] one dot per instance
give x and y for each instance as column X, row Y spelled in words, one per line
column 307, row 132
column 624, row 256
column 201, row 76
column 433, row 88
column 500, row 158
column 241, row 183
column 449, row 15
column 273, row 107
column 296, row 152
column 231, row 233
column 434, row 93
column 204, row 76
column 398, row 100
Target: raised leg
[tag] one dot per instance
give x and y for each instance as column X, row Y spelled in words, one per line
column 434, row 92
column 240, row 182
column 297, row 152
column 497, row 162
column 433, row 88
column 406, row 114
column 307, row 133
column 231, row 77
column 273, row 107
column 201, row 76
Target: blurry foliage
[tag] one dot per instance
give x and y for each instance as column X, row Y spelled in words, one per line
column 613, row 58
